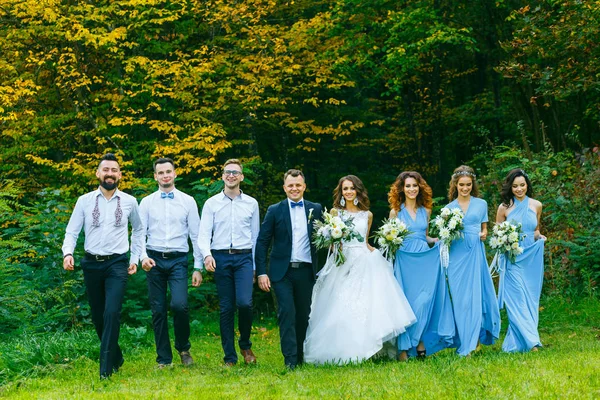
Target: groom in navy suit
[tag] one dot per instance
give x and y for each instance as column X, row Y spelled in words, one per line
column 288, row 225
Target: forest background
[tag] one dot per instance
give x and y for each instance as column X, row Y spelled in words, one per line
column 370, row 88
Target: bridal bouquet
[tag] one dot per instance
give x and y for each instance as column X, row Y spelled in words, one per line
column 390, row 237
column 332, row 231
column 447, row 226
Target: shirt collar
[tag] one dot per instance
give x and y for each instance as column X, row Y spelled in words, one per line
column 229, row 198
column 159, row 191
column 290, row 201
column 117, row 193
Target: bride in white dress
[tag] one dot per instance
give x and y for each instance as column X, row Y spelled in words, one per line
column 359, row 305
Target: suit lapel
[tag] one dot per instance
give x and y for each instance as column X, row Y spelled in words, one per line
column 307, row 207
column 285, row 209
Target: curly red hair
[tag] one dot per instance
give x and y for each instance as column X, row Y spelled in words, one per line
column 396, row 195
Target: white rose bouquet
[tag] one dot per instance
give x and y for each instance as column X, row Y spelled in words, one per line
column 505, row 239
column 447, row 226
column 390, row 237
column 331, row 232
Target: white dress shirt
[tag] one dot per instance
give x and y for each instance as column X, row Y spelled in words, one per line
column 107, row 238
column 300, row 240
column 229, row 224
column 169, row 222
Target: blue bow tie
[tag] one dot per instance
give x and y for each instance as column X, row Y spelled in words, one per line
column 164, row 195
column 298, row 204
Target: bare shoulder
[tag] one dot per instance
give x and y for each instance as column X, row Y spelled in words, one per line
column 393, row 213
column 370, row 214
column 536, row 203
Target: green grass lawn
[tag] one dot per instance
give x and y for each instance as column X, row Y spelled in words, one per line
column 567, row 367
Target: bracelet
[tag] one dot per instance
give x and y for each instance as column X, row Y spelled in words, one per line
column 67, row 255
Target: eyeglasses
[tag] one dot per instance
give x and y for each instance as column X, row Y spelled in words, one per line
column 232, row 172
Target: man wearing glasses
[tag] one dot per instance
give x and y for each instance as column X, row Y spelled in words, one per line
column 228, row 231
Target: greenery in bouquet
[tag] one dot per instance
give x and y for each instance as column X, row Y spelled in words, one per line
column 390, row 237
column 332, row 231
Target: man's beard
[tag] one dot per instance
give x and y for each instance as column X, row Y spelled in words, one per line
column 109, row 186
column 166, row 185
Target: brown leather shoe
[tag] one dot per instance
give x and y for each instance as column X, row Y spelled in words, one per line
column 186, row 358
column 249, row 357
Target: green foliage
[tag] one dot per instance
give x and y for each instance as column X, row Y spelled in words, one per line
column 332, row 87
column 29, row 354
column 567, row 367
column 36, row 289
column 568, row 185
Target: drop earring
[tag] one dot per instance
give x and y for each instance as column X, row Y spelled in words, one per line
column 355, row 201
column 343, row 202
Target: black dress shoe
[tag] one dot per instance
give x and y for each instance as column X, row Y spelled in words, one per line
column 105, row 376
column 118, row 365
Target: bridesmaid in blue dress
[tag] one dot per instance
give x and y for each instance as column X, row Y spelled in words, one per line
column 476, row 312
column 418, row 270
column 521, row 282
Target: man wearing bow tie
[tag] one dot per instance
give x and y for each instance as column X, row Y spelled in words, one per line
column 103, row 214
column 169, row 217
column 293, row 263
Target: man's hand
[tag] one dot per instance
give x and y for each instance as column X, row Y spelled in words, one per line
column 196, row 278
column 68, row 263
column 132, row 269
column 147, row 264
column 264, row 283
column 210, row 264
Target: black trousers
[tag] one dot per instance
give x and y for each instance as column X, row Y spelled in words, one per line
column 105, row 283
column 294, row 293
column 171, row 272
column 234, row 280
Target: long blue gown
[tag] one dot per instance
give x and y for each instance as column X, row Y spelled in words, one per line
column 418, row 271
column 476, row 312
column 521, row 283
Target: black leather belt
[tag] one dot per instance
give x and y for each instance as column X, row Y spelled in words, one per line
column 300, row 264
column 98, row 258
column 233, row 251
column 166, row 255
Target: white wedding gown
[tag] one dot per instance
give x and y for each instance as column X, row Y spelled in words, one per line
column 357, row 306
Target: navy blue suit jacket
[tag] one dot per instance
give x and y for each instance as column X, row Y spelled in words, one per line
column 276, row 228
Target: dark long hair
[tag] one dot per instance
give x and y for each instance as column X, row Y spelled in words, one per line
column 396, row 196
column 361, row 193
column 506, row 193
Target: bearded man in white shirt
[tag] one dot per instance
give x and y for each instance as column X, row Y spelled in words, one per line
column 170, row 217
column 103, row 214
column 228, row 232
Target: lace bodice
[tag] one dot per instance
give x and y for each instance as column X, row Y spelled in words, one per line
column 361, row 225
